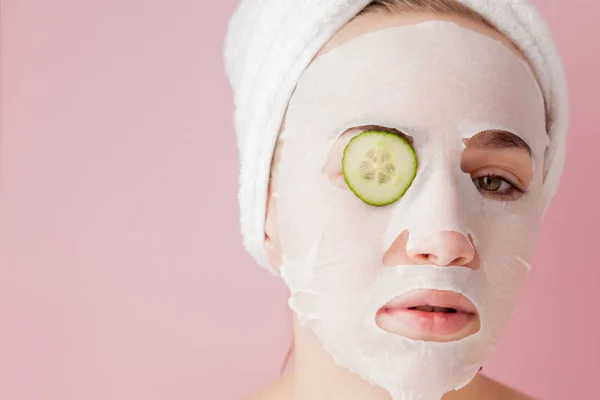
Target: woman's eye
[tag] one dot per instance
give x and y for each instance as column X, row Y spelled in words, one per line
column 492, row 183
column 499, row 188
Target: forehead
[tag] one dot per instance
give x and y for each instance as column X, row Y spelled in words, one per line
column 425, row 77
column 374, row 21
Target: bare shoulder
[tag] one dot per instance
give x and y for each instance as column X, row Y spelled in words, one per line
column 281, row 389
column 499, row 391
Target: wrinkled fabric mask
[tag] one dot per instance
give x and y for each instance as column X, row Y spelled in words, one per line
column 438, row 83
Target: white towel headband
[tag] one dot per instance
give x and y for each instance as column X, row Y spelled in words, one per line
column 270, row 43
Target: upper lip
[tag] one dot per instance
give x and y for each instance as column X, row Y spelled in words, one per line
column 433, row 298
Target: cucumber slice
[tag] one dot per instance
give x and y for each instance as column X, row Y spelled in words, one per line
column 379, row 166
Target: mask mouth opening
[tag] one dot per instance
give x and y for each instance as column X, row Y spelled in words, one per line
column 430, row 315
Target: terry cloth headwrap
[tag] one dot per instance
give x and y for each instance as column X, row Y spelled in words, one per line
column 270, row 43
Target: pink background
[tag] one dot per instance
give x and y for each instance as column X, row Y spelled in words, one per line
column 122, row 274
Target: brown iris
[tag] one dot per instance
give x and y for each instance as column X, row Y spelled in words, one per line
column 490, row 183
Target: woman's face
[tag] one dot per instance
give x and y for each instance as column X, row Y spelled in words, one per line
column 364, row 278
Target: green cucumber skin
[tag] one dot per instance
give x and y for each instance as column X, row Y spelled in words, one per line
column 356, row 193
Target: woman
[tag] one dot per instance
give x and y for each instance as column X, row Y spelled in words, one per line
column 418, row 145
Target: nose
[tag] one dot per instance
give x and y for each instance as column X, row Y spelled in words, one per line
column 443, row 249
column 447, row 248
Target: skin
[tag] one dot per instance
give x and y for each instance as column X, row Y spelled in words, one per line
column 314, row 375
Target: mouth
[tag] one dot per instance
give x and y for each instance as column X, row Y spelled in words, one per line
column 430, row 315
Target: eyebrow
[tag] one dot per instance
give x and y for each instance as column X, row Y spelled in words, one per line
column 498, row 140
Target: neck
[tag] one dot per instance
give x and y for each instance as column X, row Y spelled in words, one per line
column 316, row 376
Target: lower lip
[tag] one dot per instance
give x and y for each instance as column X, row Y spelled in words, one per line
column 432, row 323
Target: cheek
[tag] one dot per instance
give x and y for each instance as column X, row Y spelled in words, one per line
column 318, row 207
column 508, row 232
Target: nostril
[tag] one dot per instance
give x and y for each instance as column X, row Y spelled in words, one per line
column 430, row 258
column 424, row 258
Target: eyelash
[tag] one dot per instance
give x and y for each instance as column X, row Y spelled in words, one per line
column 512, row 194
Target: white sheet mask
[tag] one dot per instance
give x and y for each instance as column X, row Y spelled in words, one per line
column 438, row 83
